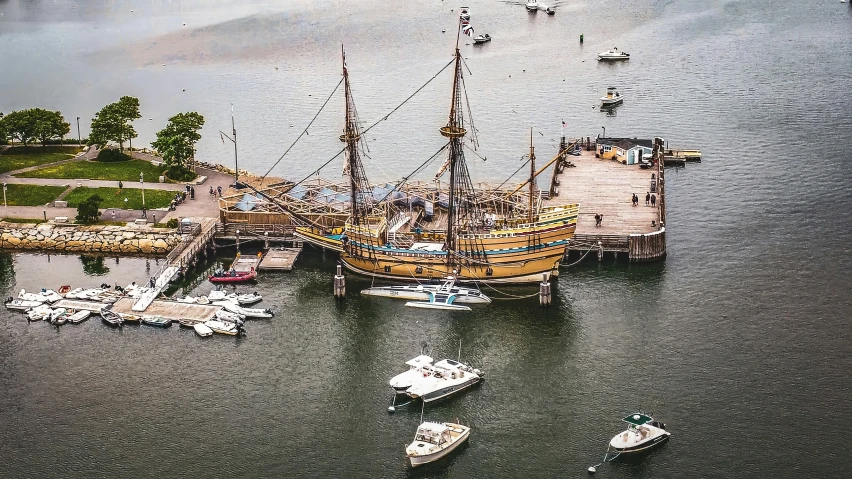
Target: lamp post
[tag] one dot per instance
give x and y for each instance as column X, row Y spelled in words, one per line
column 79, row 136
column 4, row 197
column 142, row 182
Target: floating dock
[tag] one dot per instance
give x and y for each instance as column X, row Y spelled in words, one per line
column 244, row 264
column 279, row 259
column 606, row 187
column 80, row 305
column 169, row 309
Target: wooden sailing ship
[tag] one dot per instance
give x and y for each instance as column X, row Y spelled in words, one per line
column 466, row 238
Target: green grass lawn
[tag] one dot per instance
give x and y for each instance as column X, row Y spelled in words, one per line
column 126, row 171
column 25, row 156
column 31, row 195
column 112, row 198
column 23, row 220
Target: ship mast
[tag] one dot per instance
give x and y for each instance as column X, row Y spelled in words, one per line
column 532, row 179
column 461, row 205
column 352, row 136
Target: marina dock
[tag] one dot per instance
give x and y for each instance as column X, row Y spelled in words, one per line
column 169, row 309
column 80, row 305
column 605, row 187
column 244, row 264
column 279, row 259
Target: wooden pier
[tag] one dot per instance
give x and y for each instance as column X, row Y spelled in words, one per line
column 279, row 259
column 80, row 305
column 244, row 264
column 606, row 187
column 169, row 309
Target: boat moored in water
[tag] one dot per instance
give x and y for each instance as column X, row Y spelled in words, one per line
column 203, row 330
column 442, row 379
column 402, row 381
column 44, row 296
column 77, row 317
column 111, row 318
column 21, row 304
column 612, row 97
column 157, row 321
column 642, row 433
column 58, row 316
column 435, row 440
column 224, row 327
column 425, row 291
column 482, row 38
column 39, row 313
column 613, row 54
column 532, row 5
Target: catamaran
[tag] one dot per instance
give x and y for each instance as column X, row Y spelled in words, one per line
column 426, row 291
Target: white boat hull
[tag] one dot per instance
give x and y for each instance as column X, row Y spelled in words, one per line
column 22, row 305
column 443, row 306
column 426, row 459
column 422, row 294
column 202, row 330
column 611, row 101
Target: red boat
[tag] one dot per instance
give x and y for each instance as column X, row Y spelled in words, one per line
column 233, row 276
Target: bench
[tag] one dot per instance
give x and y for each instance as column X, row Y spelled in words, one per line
column 60, row 204
column 60, row 219
column 140, row 221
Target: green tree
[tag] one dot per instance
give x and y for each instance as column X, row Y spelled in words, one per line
column 88, row 210
column 176, row 142
column 21, row 125
column 4, row 133
column 49, row 125
column 114, row 123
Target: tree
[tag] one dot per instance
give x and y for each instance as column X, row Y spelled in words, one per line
column 21, row 125
column 88, row 210
column 4, row 132
column 49, row 125
column 113, row 123
column 176, row 142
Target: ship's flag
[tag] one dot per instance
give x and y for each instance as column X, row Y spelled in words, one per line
column 467, row 30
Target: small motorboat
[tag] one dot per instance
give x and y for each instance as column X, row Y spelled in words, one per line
column 45, row 296
column 188, row 299
column 642, row 433
column 248, row 299
column 612, row 97
column 223, row 315
column 72, row 294
column 442, row 298
column 157, row 321
column 550, row 10
column 613, row 54
column 112, row 318
column 202, row 300
column 131, row 318
column 442, row 379
column 224, row 327
column 233, row 276
column 481, row 38
column 39, row 313
column 402, row 381
column 187, row 323
column 435, row 440
column 64, row 289
column 465, row 14
column 217, row 295
column 244, row 312
column 21, row 304
column 532, row 5
column 77, row 317
column 58, row 316
column 203, row 330
column 421, row 292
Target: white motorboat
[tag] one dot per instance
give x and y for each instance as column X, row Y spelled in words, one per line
column 73, row 293
column 223, row 327
column 613, row 54
column 532, row 5
column 248, row 299
column 21, row 304
column 187, row 299
column 79, row 316
column 202, row 330
column 465, row 14
column 550, row 11
column 202, row 300
column 481, row 38
column 442, row 379
column 39, row 313
column 223, row 315
column 612, row 97
column 244, row 312
column 58, row 316
column 402, row 381
column 44, row 296
column 435, row 440
column 642, row 433
column 217, row 295
column 424, row 292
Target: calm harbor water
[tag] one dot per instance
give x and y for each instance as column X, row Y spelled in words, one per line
column 739, row 340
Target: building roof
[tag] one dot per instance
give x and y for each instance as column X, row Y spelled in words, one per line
column 626, row 143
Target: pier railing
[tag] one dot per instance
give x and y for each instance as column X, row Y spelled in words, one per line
column 230, row 230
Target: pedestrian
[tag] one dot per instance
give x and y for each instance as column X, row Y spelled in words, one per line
column 120, row 185
column 192, row 192
column 219, row 189
column 187, row 188
column 647, row 198
column 212, row 193
column 635, row 200
column 144, row 212
column 653, row 200
column 113, row 215
column 154, row 216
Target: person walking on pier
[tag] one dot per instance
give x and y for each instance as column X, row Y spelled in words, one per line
column 653, row 200
column 647, row 198
column 598, row 220
column 219, row 189
column 635, row 200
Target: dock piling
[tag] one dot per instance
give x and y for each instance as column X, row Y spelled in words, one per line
column 544, row 291
column 238, row 241
column 600, row 251
column 266, row 240
column 339, row 283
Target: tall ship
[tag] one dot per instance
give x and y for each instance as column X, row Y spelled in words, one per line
column 455, row 232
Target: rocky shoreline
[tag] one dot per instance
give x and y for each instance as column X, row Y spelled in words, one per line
column 76, row 238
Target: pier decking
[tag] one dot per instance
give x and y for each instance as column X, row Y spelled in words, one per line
column 169, row 309
column 606, row 187
column 279, row 259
